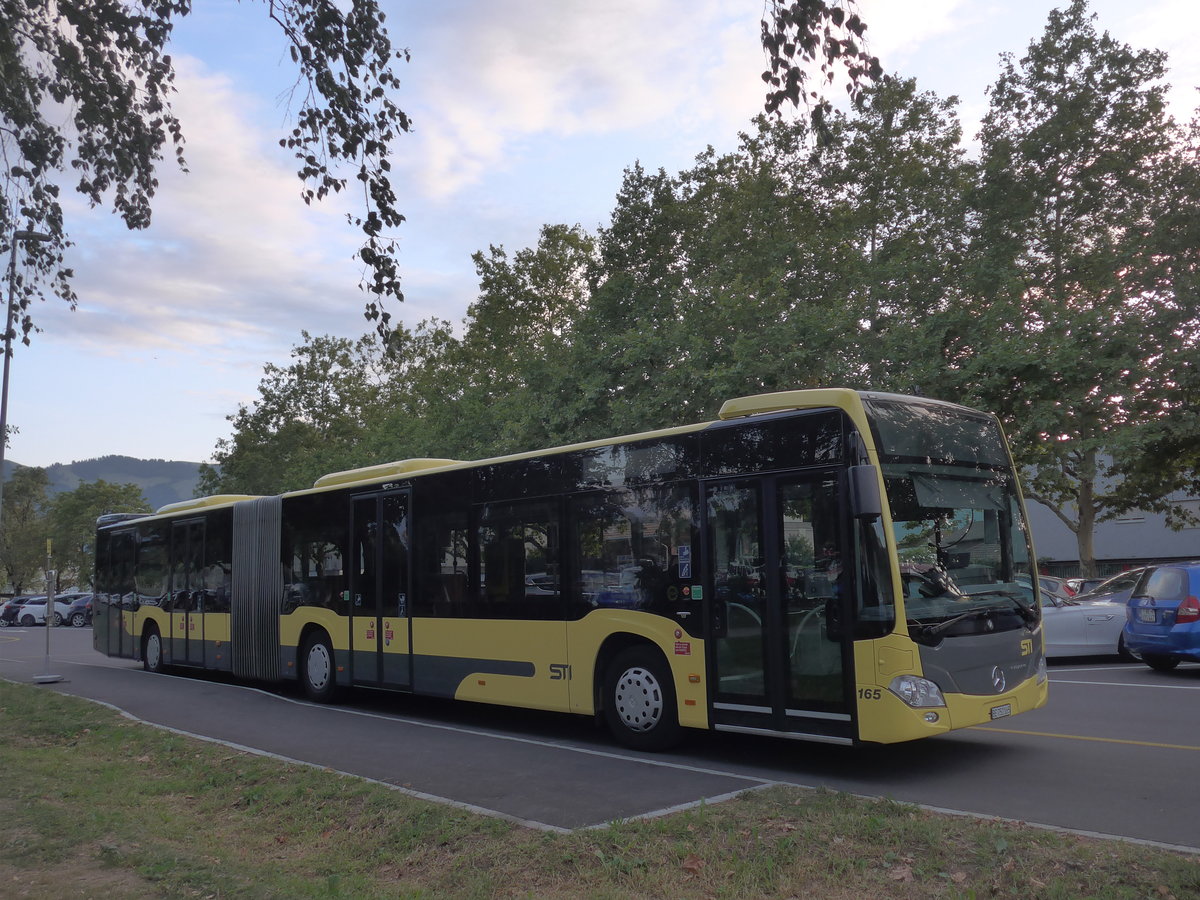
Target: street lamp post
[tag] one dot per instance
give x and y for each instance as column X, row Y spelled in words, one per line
column 17, row 236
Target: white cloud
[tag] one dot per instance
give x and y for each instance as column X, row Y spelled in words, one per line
column 232, row 257
column 527, row 69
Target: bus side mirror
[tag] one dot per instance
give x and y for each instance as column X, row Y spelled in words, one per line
column 865, row 501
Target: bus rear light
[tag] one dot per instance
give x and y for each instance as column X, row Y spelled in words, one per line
column 1189, row 611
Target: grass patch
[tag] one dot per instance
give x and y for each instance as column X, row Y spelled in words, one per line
column 96, row 805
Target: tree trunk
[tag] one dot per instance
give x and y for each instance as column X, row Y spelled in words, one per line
column 1085, row 535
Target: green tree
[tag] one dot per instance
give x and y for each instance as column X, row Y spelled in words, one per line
column 342, row 404
column 87, row 86
column 1076, row 328
column 1164, row 455
column 309, row 419
column 23, row 541
column 893, row 182
column 421, row 385
column 72, row 519
column 790, row 262
column 516, row 341
column 625, row 341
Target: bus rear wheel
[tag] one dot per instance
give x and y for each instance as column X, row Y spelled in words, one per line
column 318, row 673
column 152, row 651
column 639, row 700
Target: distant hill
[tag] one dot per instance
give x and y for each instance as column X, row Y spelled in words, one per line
column 162, row 481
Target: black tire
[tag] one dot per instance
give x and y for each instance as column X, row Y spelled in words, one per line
column 1123, row 651
column 152, row 651
column 57, row 619
column 639, row 700
column 1160, row 663
column 28, row 621
column 78, row 620
column 318, row 668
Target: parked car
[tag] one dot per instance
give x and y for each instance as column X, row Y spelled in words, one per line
column 11, row 610
column 79, row 613
column 1163, row 616
column 1060, row 586
column 1082, row 629
column 1044, row 583
column 1115, row 590
column 33, row 612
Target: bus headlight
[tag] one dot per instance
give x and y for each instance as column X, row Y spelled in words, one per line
column 1042, row 674
column 917, row 692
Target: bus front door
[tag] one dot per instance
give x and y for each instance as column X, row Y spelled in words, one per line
column 379, row 590
column 780, row 656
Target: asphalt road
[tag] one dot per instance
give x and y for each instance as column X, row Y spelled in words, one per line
column 1113, row 754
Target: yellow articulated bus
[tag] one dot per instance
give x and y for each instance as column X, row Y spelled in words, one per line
column 828, row 565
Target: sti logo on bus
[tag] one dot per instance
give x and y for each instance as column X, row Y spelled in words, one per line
column 560, row 672
column 1026, row 647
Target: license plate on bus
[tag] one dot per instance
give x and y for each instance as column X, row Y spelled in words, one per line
column 999, row 712
column 1147, row 615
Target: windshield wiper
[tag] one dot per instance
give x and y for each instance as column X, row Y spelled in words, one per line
column 931, row 632
column 1027, row 612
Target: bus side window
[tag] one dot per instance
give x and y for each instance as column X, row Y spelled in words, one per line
column 442, row 588
column 519, row 561
column 314, row 548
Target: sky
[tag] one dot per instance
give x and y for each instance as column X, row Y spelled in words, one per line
column 525, row 113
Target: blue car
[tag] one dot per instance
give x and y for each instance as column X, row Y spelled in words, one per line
column 1163, row 616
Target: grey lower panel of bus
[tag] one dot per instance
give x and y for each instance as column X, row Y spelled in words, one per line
column 436, row 676
column 440, row 676
column 214, row 655
column 793, row 735
column 982, row 665
column 802, row 724
column 257, row 588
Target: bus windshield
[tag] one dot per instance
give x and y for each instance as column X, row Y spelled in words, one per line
column 961, row 539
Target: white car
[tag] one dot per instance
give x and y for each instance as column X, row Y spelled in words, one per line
column 1083, row 629
column 34, row 612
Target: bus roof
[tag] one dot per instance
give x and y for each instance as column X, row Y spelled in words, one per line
column 851, row 401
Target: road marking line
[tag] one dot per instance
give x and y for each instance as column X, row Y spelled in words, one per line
column 1115, row 668
column 1084, row 737
column 1170, row 687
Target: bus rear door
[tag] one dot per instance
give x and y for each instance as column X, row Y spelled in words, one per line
column 187, row 596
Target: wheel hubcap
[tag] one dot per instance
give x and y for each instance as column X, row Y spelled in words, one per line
column 639, row 699
column 317, row 667
column 153, row 651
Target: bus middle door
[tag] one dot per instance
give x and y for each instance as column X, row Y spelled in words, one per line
column 379, row 590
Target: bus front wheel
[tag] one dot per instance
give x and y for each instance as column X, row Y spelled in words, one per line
column 639, row 700
column 317, row 670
